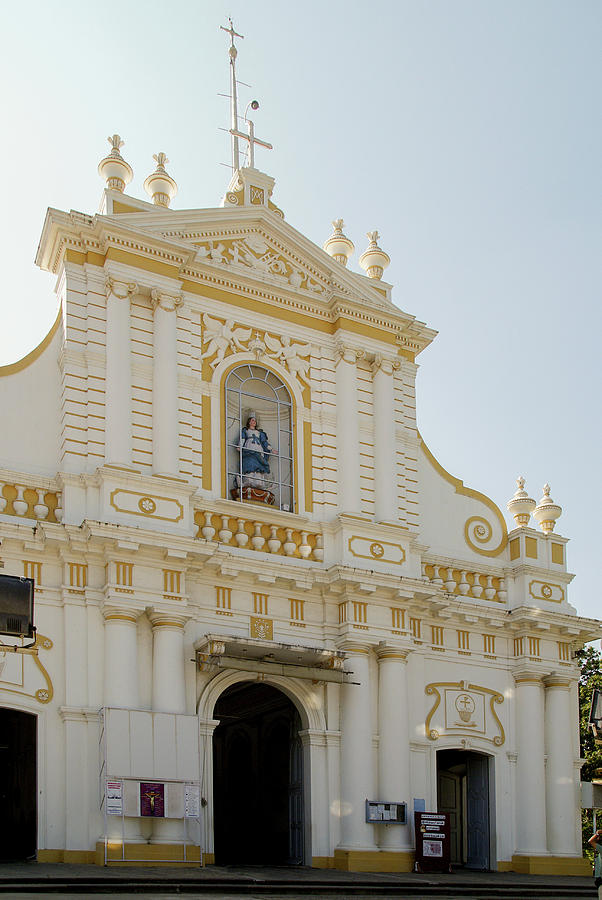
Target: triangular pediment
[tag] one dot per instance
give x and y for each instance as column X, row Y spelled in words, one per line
column 259, row 244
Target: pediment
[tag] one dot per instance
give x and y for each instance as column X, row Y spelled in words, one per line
column 256, row 244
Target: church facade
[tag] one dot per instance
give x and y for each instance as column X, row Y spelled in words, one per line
column 270, row 625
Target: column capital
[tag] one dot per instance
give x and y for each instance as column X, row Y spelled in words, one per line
column 348, row 354
column 386, row 651
column 168, row 301
column 557, row 680
column 527, row 676
column 358, row 647
column 160, row 619
column 126, row 613
column 122, row 290
column 384, row 363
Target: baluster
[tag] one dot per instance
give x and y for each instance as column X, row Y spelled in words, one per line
column 40, row 509
column 257, row 540
column 304, row 547
column 463, row 586
column 208, row 531
column 20, row 505
column 225, row 535
column 319, row 548
column 274, row 542
column 242, row 538
column 289, row 545
column 477, row 588
column 489, row 592
column 450, row 582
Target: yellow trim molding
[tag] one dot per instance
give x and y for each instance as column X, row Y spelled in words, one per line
column 31, row 357
column 495, row 697
column 460, row 488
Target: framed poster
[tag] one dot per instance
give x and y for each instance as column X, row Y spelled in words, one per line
column 152, row 799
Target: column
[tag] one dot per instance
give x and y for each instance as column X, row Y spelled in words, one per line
column 166, row 403
column 393, row 746
column 121, row 689
column 169, row 680
column 348, row 432
column 121, row 657
column 385, row 451
column 357, row 769
column 530, row 765
column 560, row 785
column 118, row 375
column 169, row 694
column 75, row 718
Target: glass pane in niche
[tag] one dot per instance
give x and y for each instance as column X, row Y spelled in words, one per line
column 258, row 432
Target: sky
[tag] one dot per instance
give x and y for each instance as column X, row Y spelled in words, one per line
column 466, row 131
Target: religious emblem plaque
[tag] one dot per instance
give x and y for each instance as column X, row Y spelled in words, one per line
column 152, row 799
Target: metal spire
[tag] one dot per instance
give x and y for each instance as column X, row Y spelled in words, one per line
column 232, row 52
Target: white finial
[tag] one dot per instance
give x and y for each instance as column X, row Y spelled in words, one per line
column 338, row 245
column 232, row 53
column 159, row 185
column 373, row 260
column 546, row 512
column 114, row 168
column 521, row 505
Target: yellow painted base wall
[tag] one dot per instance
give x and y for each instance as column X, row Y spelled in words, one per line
column 379, row 861
column 550, row 865
column 74, row 857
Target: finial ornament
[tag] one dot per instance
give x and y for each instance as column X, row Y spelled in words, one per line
column 373, row 260
column 546, row 512
column 114, row 168
column 338, row 245
column 159, row 185
column 521, row 505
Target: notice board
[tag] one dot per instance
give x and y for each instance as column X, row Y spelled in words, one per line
column 433, row 842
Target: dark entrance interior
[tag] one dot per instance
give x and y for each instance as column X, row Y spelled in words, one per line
column 463, row 792
column 257, row 778
column 18, row 784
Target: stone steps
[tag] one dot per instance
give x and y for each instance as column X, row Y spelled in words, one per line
column 387, row 886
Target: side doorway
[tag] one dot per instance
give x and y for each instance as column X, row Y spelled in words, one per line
column 18, row 784
column 463, row 791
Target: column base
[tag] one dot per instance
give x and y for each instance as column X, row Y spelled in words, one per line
column 547, row 865
column 370, row 861
column 147, row 854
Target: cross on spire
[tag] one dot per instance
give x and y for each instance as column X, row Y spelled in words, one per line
column 231, row 32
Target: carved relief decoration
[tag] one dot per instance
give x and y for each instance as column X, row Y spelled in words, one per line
column 15, row 671
column 253, row 252
column 220, row 339
column 463, row 708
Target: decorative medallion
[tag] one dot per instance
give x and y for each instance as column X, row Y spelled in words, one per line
column 541, row 590
column 262, row 629
column 461, row 707
column 136, row 504
column 383, row 551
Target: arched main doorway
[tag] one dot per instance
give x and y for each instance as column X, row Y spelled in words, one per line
column 257, row 777
column 463, row 791
column 18, row 784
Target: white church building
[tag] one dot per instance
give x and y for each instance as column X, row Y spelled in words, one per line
column 270, row 624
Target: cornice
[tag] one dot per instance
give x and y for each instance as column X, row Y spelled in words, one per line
column 347, row 294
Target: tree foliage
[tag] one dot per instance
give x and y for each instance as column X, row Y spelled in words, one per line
column 589, row 660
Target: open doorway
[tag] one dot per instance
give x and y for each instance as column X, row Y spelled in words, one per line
column 18, row 784
column 463, row 791
column 257, row 778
